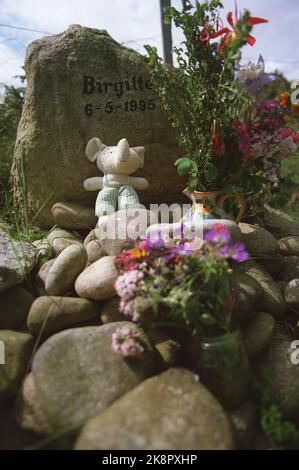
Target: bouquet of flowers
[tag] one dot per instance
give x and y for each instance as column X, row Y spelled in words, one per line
column 185, row 284
column 230, row 141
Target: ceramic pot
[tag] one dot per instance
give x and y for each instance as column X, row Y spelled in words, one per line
column 209, row 205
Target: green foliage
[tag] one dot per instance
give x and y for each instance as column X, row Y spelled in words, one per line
column 201, row 97
column 282, row 433
column 273, row 89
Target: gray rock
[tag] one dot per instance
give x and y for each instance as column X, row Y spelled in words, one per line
column 272, row 300
column 13, row 437
column 272, row 264
column 282, row 369
column 77, row 373
column 60, row 239
column 291, row 293
column 281, row 286
column 245, row 422
column 40, row 278
column 62, row 274
column 31, row 415
column 44, row 269
column 15, row 303
column 94, row 251
column 257, row 240
column 59, row 139
column 168, row 347
column 171, row 411
column 119, row 230
column 90, row 237
column 110, row 311
column 17, row 348
column 74, row 216
column 43, row 248
column 289, row 269
column 52, row 314
column 280, row 224
column 97, row 281
column 247, row 290
column 289, row 246
column 17, row 259
column 257, row 334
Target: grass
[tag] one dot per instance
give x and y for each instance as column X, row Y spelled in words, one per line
column 21, row 227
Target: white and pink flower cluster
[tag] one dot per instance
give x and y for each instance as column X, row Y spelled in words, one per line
column 128, row 286
column 127, row 342
column 273, row 147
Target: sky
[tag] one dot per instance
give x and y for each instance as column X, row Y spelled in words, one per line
column 137, row 22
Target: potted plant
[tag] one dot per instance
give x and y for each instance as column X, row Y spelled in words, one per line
column 186, row 285
column 231, row 144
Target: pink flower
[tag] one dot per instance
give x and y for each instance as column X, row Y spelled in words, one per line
column 128, row 308
column 127, row 342
column 128, row 284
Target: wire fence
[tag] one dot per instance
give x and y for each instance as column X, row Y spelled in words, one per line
column 15, row 39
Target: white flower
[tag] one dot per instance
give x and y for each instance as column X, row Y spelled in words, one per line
column 252, row 71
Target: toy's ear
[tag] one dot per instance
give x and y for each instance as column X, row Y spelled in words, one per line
column 140, row 152
column 92, row 148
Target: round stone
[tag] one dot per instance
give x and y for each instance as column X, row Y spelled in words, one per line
column 14, row 307
column 257, row 240
column 74, row 216
column 169, row 411
column 257, row 334
column 50, row 314
column 65, row 269
column 78, row 374
column 97, row 281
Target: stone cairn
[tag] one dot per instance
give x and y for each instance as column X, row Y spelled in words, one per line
column 57, row 316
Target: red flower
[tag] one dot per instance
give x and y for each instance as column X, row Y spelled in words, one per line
column 232, row 34
column 218, row 144
column 244, row 130
column 288, row 132
column 205, row 36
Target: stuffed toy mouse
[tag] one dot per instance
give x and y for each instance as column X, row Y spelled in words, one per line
column 117, row 187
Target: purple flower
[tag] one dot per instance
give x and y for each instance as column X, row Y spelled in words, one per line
column 127, row 342
column 180, row 248
column 270, row 105
column 152, row 241
column 253, row 76
column 235, row 251
column 218, row 234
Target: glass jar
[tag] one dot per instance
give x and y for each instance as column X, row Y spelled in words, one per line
column 223, row 367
